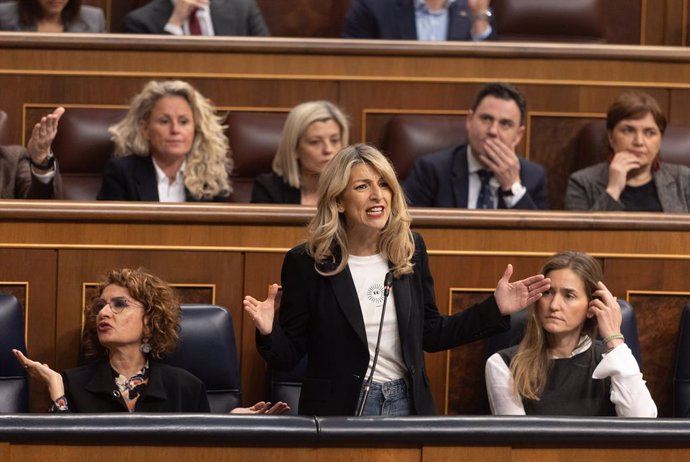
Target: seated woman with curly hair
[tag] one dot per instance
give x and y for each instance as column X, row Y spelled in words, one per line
column 170, row 147
column 128, row 329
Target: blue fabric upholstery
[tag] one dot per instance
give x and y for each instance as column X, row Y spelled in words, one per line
column 207, row 349
column 14, row 384
column 681, row 376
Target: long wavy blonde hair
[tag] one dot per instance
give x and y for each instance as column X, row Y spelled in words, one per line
column 209, row 162
column 531, row 364
column 285, row 162
column 328, row 243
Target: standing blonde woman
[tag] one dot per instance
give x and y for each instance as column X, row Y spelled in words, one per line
column 334, row 290
column 314, row 132
column 170, row 147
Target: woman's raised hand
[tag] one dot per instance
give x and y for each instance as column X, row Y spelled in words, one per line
column 52, row 379
column 262, row 313
column 608, row 312
column 514, row 296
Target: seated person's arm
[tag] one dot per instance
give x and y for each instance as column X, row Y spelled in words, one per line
column 499, row 388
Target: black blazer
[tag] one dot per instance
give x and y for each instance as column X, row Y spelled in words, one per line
column 269, row 188
column 92, row 388
column 395, row 20
column 441, row 179
column 229, row 17
column 321, row 317
column 133, row 178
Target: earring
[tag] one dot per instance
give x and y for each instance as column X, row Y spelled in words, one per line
column 145, row 346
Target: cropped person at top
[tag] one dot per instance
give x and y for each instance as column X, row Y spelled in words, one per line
column 170, row 147
column 485, row 173
column 559, row 368
column 128, row 329
column 430, row 20
column 51, row 16
column 333, row 294
column 633, row 179
column 197, row 17
column 32, row 172
column 313, row 133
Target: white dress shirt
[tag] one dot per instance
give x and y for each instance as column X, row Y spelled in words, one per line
column 203, row 14
column 170, row 191
column 629, row 394
column 475, row 183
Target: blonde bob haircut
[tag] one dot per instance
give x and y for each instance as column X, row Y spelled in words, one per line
column 286, row 161
column 531, row 364
column 328, row 241
column 162, row 312
column 209, row 162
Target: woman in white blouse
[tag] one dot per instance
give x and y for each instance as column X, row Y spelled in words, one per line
column 559, row 368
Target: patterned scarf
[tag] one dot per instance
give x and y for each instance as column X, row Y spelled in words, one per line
column 130, row 389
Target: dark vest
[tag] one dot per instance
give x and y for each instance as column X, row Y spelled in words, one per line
column 570, row 388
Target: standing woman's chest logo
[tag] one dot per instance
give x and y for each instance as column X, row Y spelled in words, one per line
column 375, row 294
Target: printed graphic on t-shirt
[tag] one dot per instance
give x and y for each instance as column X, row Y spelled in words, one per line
column 375, row 294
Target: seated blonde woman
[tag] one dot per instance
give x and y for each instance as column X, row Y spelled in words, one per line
column 559, row 368
column 170, row 147
column 314, row 132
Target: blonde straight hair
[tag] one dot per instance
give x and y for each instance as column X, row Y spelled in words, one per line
column 285, row 162
column 327, row 242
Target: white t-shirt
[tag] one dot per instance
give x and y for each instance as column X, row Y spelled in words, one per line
column 368, row 274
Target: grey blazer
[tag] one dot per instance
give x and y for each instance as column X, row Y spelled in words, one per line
column 17, row 180
column 91, row 19
column 229, row 17
column 587, row 189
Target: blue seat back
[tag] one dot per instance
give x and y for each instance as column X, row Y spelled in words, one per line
column 208, row 350
column 14, row 384
column 681, row 375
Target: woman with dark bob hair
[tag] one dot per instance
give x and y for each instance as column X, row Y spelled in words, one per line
column 51, row 16
column 559, row 368
column 334, row 287
column 634, row 179
column 131, row 325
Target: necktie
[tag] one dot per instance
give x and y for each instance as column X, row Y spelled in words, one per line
column 194, row 24
column 485, row 199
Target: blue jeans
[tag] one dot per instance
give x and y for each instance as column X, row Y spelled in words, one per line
column 389, row 399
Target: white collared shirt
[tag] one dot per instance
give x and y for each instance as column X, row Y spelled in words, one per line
column 433, row 25
column 475, row 183
column 629, row 394
column 203, row 14
column 167, row 191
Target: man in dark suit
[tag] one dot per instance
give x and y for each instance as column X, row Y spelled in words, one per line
column 197, row 17
column 486, row 172
column 419, row 20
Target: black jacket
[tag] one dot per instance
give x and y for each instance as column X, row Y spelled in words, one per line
column 441, row 179
column 270, row 188
column 133, row 178
column 321, row 317
column 92, row 388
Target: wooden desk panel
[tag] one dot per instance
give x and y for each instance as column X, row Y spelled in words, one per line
column 238, row 249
